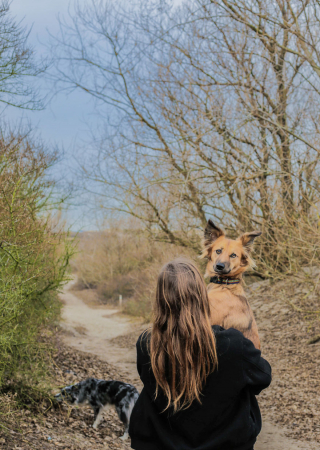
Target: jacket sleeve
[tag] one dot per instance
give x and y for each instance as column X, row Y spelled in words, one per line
column 256, row 370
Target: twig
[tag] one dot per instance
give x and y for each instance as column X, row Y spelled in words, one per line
column 314, row 339
column 296, row 308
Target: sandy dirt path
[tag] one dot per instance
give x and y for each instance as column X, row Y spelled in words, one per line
column 92, row 331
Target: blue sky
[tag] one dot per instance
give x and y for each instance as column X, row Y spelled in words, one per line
column 62, row 122
column 65, row 121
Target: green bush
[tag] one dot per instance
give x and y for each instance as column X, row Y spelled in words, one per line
column 34, row 256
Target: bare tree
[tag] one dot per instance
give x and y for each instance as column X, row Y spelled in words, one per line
column 212, row 109
column 17, row 63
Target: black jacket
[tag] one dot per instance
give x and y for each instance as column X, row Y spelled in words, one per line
column 229, row 416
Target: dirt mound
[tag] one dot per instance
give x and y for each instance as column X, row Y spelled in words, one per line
column 128, row 340
column 286, row 326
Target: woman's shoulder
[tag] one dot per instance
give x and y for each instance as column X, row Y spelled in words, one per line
column 143, row 342
column 228, row 340
column 233, row 342
column 230, row 333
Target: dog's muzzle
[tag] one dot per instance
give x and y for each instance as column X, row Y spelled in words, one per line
column 222, row 268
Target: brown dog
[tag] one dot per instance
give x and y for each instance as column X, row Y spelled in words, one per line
column 228, row 260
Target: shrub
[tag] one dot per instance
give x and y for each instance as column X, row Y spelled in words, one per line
column 33, row 257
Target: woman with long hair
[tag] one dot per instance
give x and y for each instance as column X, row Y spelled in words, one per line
column 200, row 382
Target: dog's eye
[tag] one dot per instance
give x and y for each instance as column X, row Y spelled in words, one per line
column 233, row 255
column 218, row 251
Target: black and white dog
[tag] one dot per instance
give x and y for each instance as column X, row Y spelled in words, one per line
column 102, row 395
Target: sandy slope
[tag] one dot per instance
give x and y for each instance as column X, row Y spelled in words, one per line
column 97, row 331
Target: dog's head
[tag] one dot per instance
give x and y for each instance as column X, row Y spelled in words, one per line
column 69, row 394
column 227, row 257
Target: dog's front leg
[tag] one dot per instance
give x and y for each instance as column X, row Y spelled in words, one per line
column 97, row 416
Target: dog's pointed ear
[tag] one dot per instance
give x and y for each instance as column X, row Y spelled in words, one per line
column 247, row 239
column 211, row 233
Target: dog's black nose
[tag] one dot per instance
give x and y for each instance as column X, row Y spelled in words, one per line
column 219, row 267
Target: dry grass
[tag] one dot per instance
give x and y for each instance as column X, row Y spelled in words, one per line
column 121, row 262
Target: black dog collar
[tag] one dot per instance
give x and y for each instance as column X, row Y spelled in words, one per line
column 219, row 280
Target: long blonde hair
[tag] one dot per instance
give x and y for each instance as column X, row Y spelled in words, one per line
column 182, row 343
